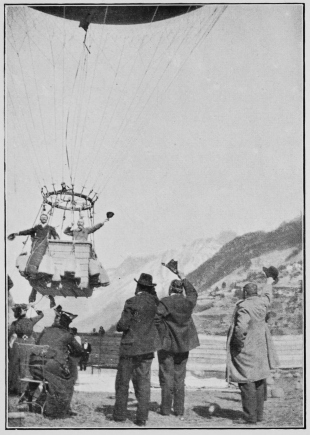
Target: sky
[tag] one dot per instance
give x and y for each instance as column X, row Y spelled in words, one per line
column 185, row 133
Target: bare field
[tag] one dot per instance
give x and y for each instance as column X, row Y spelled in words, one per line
column 94, row 410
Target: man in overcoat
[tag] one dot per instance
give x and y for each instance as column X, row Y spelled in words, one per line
column 139, row 342
column 59, row 370
column 250, row 351
column 40, row 234
column 179, row 336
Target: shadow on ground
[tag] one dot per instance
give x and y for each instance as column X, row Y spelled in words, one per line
column 203, row 411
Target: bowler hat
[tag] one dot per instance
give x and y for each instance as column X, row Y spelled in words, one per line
column 145, row 279
column 271, row 272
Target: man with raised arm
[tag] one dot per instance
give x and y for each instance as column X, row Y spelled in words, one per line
column 40, row 234
column 178, row 336
column 250, row 351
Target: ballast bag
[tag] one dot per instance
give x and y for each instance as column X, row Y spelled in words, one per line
column 93, row 267
column 56, row 277
column 103, row 277
column 70, row 265
column 21, row 263
column 78, row 271
column 47, row 265
column 84, row 282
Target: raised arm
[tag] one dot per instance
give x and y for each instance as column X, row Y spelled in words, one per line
column 37, row 318
column 30, row 232
column 267, row 293
column 190, row 291
column 94, row 228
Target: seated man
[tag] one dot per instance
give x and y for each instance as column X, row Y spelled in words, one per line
column 40, row 234
column 81, row 233
column 59, row 370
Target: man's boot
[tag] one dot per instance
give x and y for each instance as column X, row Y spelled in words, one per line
column 32, row 296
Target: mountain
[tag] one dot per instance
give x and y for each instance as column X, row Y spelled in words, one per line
column 106, row 305
column 242, row 254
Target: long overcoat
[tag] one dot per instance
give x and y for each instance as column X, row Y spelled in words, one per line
column 174, row 319
column 140, row 335
column 40, row 235
column 58, row 370
column 250, row 350
column 18, row 356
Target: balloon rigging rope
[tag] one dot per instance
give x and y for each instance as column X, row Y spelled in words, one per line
column 27, row 98
column 79, row 115
column 40, row 109
column 88, row 103
column 205, row 34
column 106, row 106
column 89, row 97
column 127, row 118
column 113, row 169
column 29, row 154
column 120, row 99
column 176, row 34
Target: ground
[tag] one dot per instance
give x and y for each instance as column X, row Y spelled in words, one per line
column 94, row 409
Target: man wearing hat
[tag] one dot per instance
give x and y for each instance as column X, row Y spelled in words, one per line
column 139, row 342
column 178, row 335
column 59, row 370
column 250, row 351
column 39, row 234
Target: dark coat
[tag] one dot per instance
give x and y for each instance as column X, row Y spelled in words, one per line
column 250, row 350
column 140, row 335
column 174, row 319
column 18, row 355
column 59, row 370
column 39, row 235
column 40, row 232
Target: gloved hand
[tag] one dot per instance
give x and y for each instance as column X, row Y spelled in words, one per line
column 272, row 272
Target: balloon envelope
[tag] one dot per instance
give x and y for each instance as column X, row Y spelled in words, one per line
column 116, row 14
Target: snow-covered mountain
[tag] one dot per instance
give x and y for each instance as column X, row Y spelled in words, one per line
column 106, row 305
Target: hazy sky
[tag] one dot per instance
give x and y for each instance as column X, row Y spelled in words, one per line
column 197, row 133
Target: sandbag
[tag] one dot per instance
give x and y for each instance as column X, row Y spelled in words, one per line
column 69, row 265
column 93, row 267
column 78, row 271
column 47, row 266
column 84, row 282
column 56, row 277
column 103, row 277
column 21, row 263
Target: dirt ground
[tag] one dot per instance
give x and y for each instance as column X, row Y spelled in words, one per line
column 94, row 410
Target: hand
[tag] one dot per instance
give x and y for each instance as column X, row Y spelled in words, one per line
column 181, row 275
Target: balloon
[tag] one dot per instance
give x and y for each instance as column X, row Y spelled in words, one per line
column 121, row 15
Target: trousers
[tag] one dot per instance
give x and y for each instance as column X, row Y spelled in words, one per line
column 138, row 369
column 253, row 396
column 172, row 372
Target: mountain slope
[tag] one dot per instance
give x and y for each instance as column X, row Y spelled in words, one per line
column 105, row 307
column 239, row 253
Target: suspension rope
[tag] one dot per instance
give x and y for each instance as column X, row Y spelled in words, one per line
column 26, row 142
column 205, row 33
